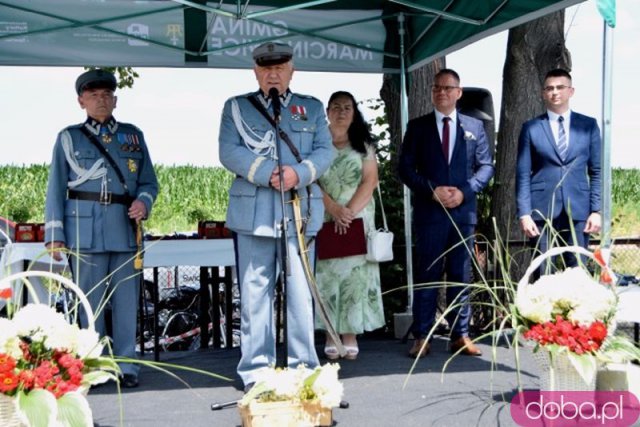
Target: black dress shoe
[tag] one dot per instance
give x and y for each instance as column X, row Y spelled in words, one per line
column 129, row 381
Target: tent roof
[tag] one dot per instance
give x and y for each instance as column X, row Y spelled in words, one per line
column 327, row 35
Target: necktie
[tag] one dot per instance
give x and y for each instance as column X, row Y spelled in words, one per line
column 445, row 137
column 562, row 139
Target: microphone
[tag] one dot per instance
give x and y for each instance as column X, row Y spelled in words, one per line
column 275, row 99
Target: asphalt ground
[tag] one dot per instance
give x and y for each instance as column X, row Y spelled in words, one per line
column 379, row 388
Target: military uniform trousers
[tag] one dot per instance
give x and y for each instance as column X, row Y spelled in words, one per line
column 258, row 271
column 91, row 271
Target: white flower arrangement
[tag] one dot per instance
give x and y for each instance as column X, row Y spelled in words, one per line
column 320, row 385
column 47, row 363
column 571, row 293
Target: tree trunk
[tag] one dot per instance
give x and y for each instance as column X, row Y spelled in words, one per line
column 393, row 274
column 532, row 49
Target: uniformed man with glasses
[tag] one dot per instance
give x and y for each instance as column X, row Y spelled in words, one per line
column 101, row 185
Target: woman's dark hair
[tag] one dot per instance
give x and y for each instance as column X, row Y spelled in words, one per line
column 358, row 132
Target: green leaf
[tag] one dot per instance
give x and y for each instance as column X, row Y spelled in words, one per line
column 74, row 410
column 585, row 364
column 98, row 377
column 39, row 406
column 312, row 378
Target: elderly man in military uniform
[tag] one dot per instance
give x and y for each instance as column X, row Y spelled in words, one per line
column 248, row 149
column 101, row 185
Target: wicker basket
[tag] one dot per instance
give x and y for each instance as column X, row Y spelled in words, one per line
column 9, row 416
column 559, row 374
column 557, row 371
column 284, row 414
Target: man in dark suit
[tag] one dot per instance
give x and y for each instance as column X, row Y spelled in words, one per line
column 445, row 161
column 558, row 171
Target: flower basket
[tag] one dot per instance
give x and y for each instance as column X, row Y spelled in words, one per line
column 558, row 373
column 568, row 365
column 9, row 416
column 47, row 363
column 285, row 414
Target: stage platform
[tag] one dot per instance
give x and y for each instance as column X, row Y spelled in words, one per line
column 467, row 394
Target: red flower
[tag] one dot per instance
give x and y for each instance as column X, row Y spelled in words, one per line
column 27, row 379
column 44, row 373
column 598, row 331
column 578, row 339
column 8, row 381
column 7, row 363
column 5, row 293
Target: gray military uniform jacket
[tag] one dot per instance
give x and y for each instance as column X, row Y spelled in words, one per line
column 77, row 164
column 247, row 148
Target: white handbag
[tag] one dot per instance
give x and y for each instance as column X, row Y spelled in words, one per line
column 380, row 241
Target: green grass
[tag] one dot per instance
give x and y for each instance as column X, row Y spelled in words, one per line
column 189, row 194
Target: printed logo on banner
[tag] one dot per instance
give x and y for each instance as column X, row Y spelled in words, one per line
column 138, row 30
column 16, row 28
column 175, row 33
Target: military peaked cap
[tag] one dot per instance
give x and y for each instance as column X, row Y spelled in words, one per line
column 271, row 53
column 95, row 79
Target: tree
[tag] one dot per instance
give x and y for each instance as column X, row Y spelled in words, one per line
column 532, row 49
column 125, row 75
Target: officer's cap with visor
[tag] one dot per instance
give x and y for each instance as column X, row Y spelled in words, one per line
column 271, row 53
column 95, row 79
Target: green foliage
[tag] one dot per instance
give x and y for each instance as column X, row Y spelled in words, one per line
column 187, row 194
column 124, row 75
column 22, row 192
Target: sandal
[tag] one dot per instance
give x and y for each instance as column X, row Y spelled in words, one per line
column 352, row 352
column 331, row 352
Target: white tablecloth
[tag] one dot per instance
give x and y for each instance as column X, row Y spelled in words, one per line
column 203, row 253
column 158, row 253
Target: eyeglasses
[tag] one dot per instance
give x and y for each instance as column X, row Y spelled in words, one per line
column 559, row 88
column 438, row 88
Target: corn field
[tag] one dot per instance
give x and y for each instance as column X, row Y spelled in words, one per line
column 189, row 194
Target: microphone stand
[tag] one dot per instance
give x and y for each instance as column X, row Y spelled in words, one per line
column 284, row 260
column 285, row 267
column 283, row 257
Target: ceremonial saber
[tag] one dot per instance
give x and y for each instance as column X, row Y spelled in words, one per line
column 311, row 281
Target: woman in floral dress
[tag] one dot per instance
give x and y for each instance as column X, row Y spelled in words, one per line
column 350, row 286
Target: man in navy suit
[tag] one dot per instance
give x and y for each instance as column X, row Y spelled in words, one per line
column 558, row 171
column 445, row 161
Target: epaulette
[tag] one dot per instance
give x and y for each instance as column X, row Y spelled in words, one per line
column 246, row 95
column 125, row 125
column 76, row 126
column 301, row 95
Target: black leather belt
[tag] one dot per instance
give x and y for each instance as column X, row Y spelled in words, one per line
column 102, row 198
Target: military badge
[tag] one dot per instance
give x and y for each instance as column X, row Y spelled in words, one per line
column 106, row 138
column 133, row 167
column 298, row 112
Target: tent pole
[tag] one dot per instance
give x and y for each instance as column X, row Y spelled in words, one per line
column 404, row 118
column 607, row 83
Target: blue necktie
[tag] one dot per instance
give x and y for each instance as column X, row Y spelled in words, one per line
column 562, row 144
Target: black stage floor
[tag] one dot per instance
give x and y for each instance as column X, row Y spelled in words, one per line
column 378, row 388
